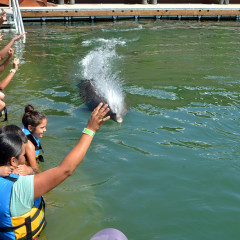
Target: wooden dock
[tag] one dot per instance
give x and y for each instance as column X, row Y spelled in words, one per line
column 91, row 12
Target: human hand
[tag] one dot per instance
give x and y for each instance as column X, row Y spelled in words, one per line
column 3, row 16
column 16, row 63
column 10, row 52
column 6, row 170
column 97, row 118
column 23, row 170
column 19, row 37
column 1, row 37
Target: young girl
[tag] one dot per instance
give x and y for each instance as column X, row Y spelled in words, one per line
column 34, row 126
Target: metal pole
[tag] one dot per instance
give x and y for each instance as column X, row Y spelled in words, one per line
column 22, row 30
column 15, row 16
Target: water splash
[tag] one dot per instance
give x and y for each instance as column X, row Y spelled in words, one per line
column 100, row 66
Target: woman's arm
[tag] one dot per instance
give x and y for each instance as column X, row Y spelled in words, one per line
column 8, row 78
column 47, row 180
column 5, row 63
column 5, row 50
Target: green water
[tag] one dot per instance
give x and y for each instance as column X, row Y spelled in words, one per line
column 171, row 169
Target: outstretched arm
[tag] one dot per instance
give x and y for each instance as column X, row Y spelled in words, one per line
column 47, row 180
column 4, row 51
column 5, row 63
column 8, row 78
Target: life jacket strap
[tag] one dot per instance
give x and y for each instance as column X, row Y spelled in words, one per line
column 10, row 178
column 29, row 235
column 34, row 142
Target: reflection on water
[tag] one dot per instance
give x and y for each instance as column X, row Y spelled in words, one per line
column 171, row 169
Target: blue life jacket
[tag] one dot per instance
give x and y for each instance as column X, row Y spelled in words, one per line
column 24, row 227
column 35, row 141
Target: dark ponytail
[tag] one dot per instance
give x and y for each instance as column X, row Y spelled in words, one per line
column 32, row 117
column 10, row 146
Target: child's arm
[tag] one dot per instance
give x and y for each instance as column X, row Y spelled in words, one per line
column 5, row 63
column 8, row 78
column 5, row 170
column 5, row 50
column 30, row 156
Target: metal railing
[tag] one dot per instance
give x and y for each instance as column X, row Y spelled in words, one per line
column 17, row 17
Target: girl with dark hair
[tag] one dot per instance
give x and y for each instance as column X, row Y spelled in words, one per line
column 34, row 126
column 21, row 204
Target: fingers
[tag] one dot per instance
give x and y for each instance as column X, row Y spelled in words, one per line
column 16, row 61
column 105, row 119
column 20, row 36
column 96, row 110
column 103, row 111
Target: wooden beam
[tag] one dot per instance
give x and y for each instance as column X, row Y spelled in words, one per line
column 107, row 13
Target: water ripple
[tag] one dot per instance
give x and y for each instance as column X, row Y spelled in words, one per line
column 134, row 148
column 187, row 144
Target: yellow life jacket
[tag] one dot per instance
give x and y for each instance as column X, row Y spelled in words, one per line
column 30, row 225
column 25, row 227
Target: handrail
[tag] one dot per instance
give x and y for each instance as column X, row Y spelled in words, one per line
column 17, row 18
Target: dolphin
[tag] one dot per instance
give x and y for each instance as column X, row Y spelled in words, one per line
column 90, row 97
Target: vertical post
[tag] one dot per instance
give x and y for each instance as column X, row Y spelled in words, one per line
column 144, row 2
column 15, row 16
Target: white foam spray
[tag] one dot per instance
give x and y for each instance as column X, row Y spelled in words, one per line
column 100, row 66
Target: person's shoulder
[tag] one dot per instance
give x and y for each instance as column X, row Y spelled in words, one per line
column 30, row 145
column 25, row 180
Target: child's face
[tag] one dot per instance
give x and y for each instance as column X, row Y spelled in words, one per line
column 40, row 129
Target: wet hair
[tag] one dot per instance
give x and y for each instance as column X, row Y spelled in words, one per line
column 10, row 146
column 14, row 129
column 32, row 117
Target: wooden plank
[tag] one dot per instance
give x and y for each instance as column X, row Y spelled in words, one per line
column 107, row 13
